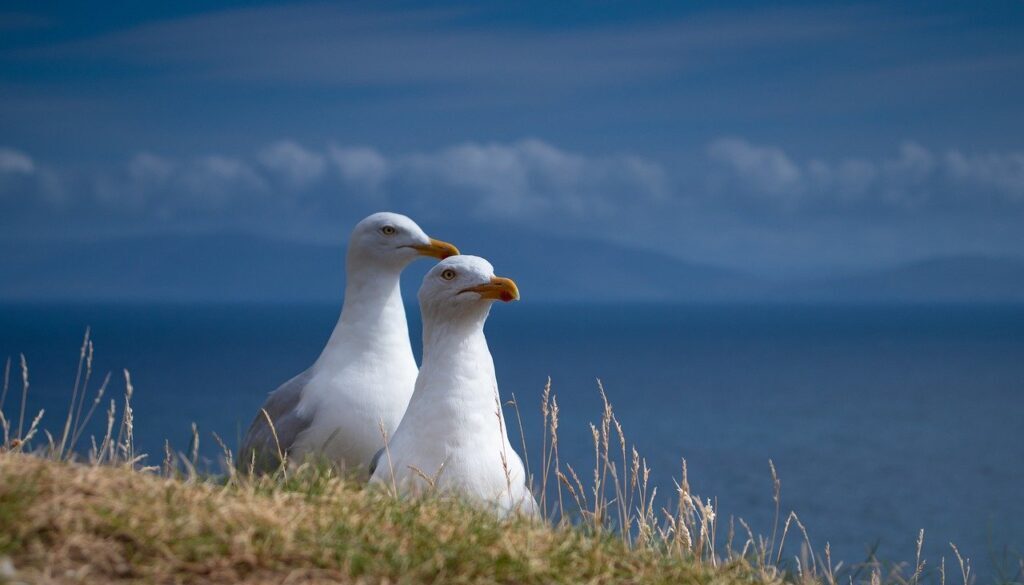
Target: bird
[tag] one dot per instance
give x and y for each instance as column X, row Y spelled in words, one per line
column 355, row 393
column 453, row 438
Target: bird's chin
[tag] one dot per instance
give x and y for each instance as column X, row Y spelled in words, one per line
column 407, row 253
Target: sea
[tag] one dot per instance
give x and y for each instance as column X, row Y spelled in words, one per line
column 881, row 420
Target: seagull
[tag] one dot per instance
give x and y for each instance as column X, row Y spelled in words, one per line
column 356, row 392
column 453, row 438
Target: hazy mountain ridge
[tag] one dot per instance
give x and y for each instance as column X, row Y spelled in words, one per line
column 238, row 267
column 247, row 268
column 967, row 278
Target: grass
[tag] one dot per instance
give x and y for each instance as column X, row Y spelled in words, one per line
column 93, row 524
column 105, row 517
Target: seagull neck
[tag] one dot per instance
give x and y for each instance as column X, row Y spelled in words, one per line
column 448, row 340
column 457, row 379
column 373, row 308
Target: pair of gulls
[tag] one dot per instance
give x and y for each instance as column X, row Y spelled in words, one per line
column 442, row 424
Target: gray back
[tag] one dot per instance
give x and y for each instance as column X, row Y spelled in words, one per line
column 260, row 451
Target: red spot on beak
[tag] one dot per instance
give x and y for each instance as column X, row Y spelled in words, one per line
column 507, row 296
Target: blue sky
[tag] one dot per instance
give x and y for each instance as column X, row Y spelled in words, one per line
column 800, row 138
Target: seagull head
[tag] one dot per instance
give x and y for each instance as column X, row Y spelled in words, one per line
column 464, row 284
column 392, row 239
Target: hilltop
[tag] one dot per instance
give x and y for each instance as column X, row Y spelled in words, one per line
column 73, row 523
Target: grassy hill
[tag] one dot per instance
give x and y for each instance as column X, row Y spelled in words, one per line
column 74, row 523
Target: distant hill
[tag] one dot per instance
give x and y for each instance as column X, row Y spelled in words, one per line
column 234, row 267
column 565, row 269
column 240, row 267
column 944, row 279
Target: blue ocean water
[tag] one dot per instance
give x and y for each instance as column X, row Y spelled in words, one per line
column 881, row 420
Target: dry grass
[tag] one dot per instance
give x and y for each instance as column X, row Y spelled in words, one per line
column 74, row 523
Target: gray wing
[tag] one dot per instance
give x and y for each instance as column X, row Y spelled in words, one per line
column 260, row 451
column 376, row 460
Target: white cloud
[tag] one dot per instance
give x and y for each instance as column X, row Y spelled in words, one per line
column 1002, row 172
column 16, row 162
column 765, row 168
column 741, row 203
column 530, row 177
column 146, row 176
column 150, row 167
column 913, row 179
column 365, row 169
column 854, row 176
column 166, row 188
column 914, row 164
column 499, row 179
column 297, row 166
column 530, row 182
column 218, row 178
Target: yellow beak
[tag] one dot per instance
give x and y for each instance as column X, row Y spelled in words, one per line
column 499, row 289
column 437, row 249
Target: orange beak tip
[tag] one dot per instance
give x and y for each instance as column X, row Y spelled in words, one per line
column 437, row 249
column 446, row 250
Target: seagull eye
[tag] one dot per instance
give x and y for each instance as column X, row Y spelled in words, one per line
column 448, row 274
column 388, row 230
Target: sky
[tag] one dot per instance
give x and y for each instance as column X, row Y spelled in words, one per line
column 773, row 138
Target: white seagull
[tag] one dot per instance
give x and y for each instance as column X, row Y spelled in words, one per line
column 365, row 375
column 453, row 437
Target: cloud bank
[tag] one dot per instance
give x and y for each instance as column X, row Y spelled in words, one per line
column 914, row 179
column 15, row 162
column 521, row 180
column 738, row 202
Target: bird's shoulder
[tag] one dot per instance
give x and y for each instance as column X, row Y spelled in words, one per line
column 287, row 396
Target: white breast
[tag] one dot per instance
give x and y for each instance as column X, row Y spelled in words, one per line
column 350, row 406
column 453, row 437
